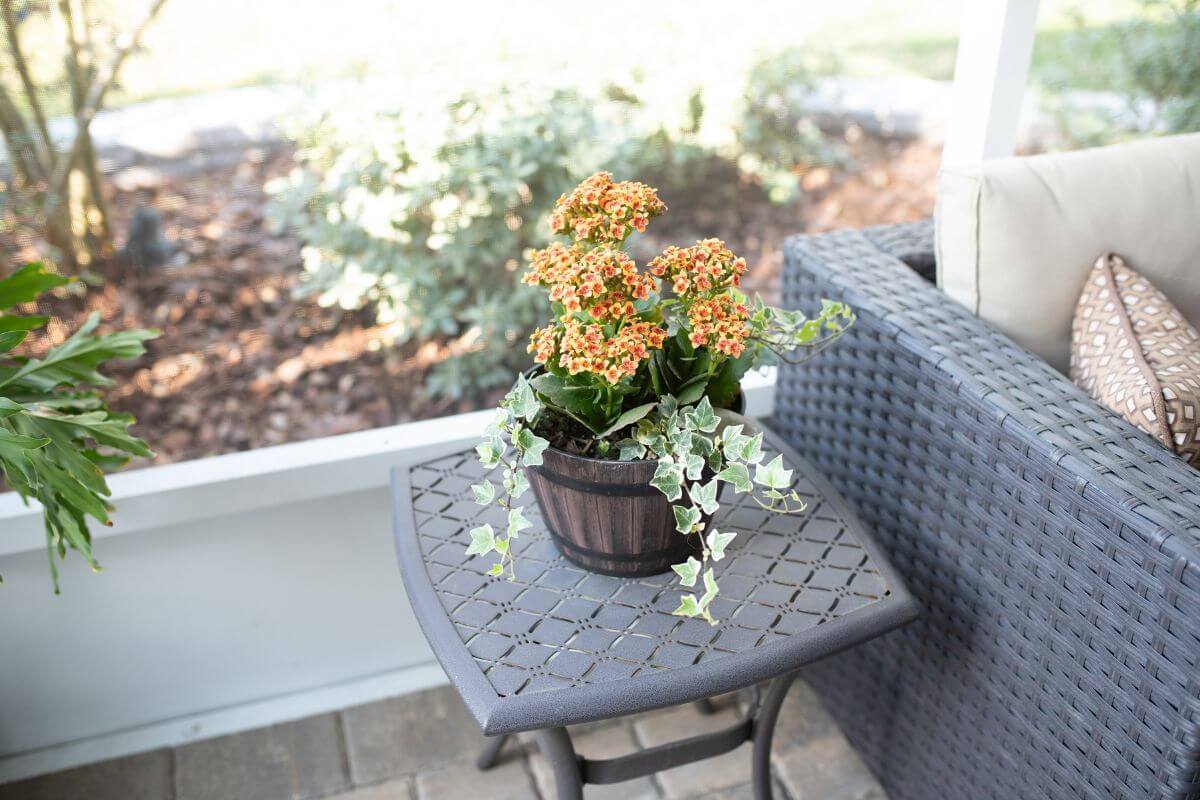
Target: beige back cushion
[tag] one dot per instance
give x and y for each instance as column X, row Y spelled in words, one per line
column 1017, row 237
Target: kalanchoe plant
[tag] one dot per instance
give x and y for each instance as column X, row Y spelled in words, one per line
column 645, row 364
column 56, row 434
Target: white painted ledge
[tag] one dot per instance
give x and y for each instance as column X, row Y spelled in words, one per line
column 271, row 476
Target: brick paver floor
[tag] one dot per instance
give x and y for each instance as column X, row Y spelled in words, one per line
column 420, row 746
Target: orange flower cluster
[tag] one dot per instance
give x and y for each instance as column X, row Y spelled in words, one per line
column 603, row 281
column 719, row 323
column 601, row 211
column 584, row 348
column 705, row 267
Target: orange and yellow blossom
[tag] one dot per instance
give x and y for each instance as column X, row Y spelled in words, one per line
column 719, row 323
column 601, row 211
column 582, row 347
column 707, row 266
column 603, row 281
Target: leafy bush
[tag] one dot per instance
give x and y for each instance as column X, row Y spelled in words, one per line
column 56, row 435
column 1150, row 62
column 778, row 135
column 427, row 220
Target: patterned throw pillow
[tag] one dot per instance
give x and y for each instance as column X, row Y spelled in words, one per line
column 1135, row 353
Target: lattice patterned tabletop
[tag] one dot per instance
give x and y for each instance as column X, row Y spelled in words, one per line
column 561, row 645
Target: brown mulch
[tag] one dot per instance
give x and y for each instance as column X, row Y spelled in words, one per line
column 242, row 364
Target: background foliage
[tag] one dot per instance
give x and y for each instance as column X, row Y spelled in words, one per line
column 426, row 219
column 1150, row 61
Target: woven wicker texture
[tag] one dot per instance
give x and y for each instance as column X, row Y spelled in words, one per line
column 1052, row 547
column 559, row 626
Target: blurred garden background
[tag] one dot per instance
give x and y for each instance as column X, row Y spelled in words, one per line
column 326, row 210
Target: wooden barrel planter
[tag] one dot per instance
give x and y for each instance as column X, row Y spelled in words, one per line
column 606, row 517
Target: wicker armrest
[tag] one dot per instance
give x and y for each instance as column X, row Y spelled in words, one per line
column 1055, row 549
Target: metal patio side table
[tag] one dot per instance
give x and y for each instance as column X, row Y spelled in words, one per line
column 561, row 645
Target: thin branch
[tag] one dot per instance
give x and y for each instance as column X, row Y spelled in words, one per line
column 31, row 94
column 21, row 146
column 80, row 76
column 100, row 87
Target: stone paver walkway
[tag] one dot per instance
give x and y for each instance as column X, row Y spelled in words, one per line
column 420, row 747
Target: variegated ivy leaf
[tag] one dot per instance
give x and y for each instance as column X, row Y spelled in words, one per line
column 515, row 483
column 702, row 445
column 705, row 495
column 688, row 571
column 517, row 521
column 497, row 569
column 490, row 451
column 531, row 446
column 752, row 452
column 483, row 541
column 668, row 479
column 485, row 492
column 521, row 400
column 631, row 450
column 738, row 475
column 710, row 591
column 500, row 422
column 717, row 542
column 773, row 474
column 686, row 518
column 689, row 606
column 703, row 418
column 693, row 466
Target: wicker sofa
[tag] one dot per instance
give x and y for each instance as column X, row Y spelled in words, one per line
column 1055, row 549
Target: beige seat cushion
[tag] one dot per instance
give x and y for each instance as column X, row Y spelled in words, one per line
column 1135, row 353
column 1016, row 237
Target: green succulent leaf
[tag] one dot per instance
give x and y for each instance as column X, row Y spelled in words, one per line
column 628, row 418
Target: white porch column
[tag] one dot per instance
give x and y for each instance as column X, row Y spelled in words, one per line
column 990, row 72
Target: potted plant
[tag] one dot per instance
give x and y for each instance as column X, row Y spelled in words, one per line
column 627, row 430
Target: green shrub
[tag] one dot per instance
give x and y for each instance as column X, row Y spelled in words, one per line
column 1151, row 62
column 778, row 136
column 427, row 220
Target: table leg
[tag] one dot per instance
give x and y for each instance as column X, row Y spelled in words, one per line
column 487, row 757
column 764, row 732
column 555, row 744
